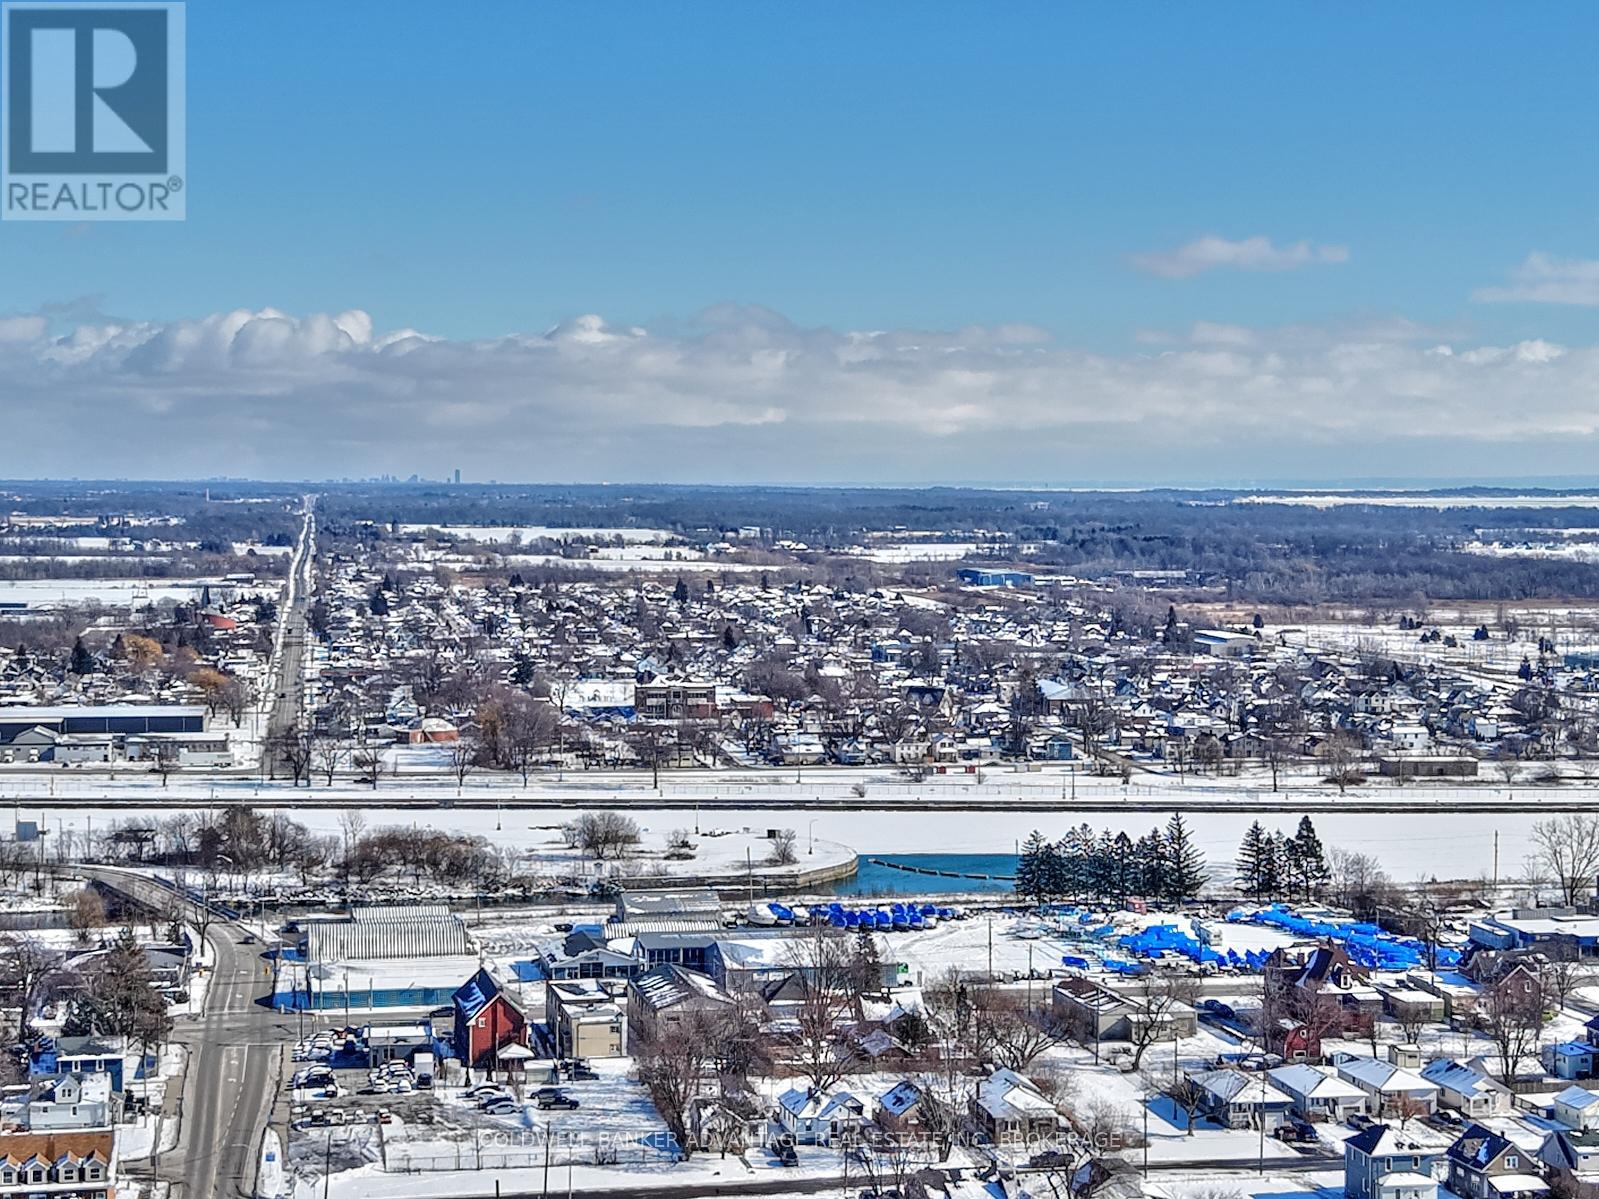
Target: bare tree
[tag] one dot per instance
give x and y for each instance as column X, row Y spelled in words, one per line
column 328, row 753
column 1562, row 974
column 1341, row 753
column 1160, row 997
column 293, row 747
column 672, row 1067
column 1512, row 1012
column 25, row 967
column 86, row 913
column 784, row 850
column 1567, row 849
column 604, row 834
column 462, row 756
column 821, row 964
column 1015, row 1031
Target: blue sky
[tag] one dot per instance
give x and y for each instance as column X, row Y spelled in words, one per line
column 477, row 171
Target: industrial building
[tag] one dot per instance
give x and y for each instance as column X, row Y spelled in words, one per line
column 380, row 956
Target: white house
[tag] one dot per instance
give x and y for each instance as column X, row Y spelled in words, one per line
column 65, row 1101
column 1012, row 1109
column 1389, row 1088
column 1318, row 1093
column 1466, row 1089
column 813, row 1117
column 1577, row 1108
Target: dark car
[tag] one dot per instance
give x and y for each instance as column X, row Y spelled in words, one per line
column 563, row 1102
column 786, row 1156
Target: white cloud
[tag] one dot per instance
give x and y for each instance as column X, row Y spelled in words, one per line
column 1543, row 279
column 1248, row 254
column 744, row 393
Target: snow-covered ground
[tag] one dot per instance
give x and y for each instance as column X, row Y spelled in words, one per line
column 111, row 593
column 497, row 534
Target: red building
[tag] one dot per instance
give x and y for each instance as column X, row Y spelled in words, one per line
column 486, row 1021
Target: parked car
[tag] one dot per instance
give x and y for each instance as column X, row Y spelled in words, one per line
column 563, row 1101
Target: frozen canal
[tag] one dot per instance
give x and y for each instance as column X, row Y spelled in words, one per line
column 1409, row 845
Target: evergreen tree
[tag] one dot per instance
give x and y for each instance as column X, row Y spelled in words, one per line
column 1152, row 869
column 1032, row 867
column 523, row 670
column 1275, row 864
column 1185, row 865
column 729, row 638
column 1252, row 854
column 1122, row 866
column 680, row 592
column 865, row 965
column 1076, row 855
column 1309, row 871
column 380, row 603
column 82, row 659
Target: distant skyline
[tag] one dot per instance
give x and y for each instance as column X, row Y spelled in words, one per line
column 1058, row 244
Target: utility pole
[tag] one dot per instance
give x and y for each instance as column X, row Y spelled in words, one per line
column 1496, row 867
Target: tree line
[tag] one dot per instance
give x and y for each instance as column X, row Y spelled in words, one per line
column 1163, row 864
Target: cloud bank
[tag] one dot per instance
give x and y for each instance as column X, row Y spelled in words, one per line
column 744, row 394
column 1544, row 279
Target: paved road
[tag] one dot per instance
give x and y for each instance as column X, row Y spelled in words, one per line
column 236, row 1055
column 288, row 680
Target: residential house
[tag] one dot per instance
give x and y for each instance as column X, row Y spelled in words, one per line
column 1318, row 1093
column 68, row 1101
column 1390, row 1090
column 1571, row 1161
column 898, row 1108
column 1235, row 1099
column 1571, row 1060
column 825, row 1117
column 1379, row 1163
column 668, row 997
column 1577, row 1108
column 62, row 1165
column 584, row 1019
column 1012, row 1110
column 726, row 1123
column 1468, row 1089
column 1482, row 1164
column 1293, row 1040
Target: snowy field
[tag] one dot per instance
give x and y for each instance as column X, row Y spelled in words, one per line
column 933, row 551
column 624, row 559
column 111, row 593
column 498, row 534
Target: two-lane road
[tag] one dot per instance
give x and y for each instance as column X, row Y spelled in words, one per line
column 236, row 1049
